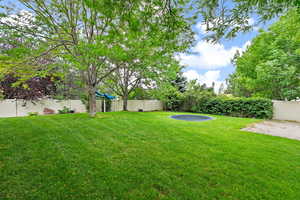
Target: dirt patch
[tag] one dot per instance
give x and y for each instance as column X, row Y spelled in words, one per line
column 276, row 128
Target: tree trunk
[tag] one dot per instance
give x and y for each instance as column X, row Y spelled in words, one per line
column 125, row 101
column 92, row 102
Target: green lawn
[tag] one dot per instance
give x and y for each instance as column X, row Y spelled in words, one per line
column 143, row 156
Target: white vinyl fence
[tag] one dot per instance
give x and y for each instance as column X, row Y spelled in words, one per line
column 286, row 110
column 135, row 105
column 16, row 108
column 283, row 110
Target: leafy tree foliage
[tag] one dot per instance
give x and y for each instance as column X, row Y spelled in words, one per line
column 225, row 18
column 141, row 93
column 196, row 94
column 170, row 88
column 188, row 100
column 22, row 75
column 31, row 89
column 270, row 67
column 180, row 82
column 92, row 36
column 149, row 64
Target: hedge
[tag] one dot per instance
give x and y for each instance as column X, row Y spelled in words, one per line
column 237, row 107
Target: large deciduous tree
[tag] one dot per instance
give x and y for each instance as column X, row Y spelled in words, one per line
column 146, row 76
column 151, row 60
column 87, row 33
column 270, row 67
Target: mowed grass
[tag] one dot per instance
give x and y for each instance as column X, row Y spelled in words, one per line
column 126, row 155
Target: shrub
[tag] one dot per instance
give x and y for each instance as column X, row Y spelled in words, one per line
column 237, row 107
column 13, row 87
column 191, row 100
column 65, row 110
column 173, row 102
column 194, row 94
column 33, row 114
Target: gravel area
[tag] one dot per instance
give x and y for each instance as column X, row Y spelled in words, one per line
column 276, row 128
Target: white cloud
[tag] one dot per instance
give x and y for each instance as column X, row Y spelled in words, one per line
column 207, row 78
column 201, row 27
column 191, row 75
column 251, row 21
column 207, row 55
column 23, row 18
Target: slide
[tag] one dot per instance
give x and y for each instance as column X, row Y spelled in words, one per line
column 104, row 95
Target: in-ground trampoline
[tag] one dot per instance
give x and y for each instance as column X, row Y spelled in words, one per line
column 193, row 118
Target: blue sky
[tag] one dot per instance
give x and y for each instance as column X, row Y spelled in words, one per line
column 212, row 62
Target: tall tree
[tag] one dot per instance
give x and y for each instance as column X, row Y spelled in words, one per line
column 180, row 82
column 87, row 33
column 151, row 60
column 270, row 67
column 142, row 75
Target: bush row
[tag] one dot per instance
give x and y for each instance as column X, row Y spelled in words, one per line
column 236, row 107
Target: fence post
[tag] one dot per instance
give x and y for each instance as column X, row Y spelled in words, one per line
column 16, row 107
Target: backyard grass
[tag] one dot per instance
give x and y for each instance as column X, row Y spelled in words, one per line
column 126, row 155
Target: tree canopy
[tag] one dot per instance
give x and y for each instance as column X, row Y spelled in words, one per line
column 270, row 67
column 93, row 37
column 226, row 18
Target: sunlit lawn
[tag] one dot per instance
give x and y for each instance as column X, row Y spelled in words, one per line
column 126, row 155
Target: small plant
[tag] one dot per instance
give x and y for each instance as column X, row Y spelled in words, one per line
column 65, row 110
column 33, row 114
column 59, row 97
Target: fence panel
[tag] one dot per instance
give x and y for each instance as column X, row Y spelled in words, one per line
column 286, row 110
column 8, row 108
column 16, row 108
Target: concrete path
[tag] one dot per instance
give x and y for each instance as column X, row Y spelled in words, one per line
column 277, row 128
